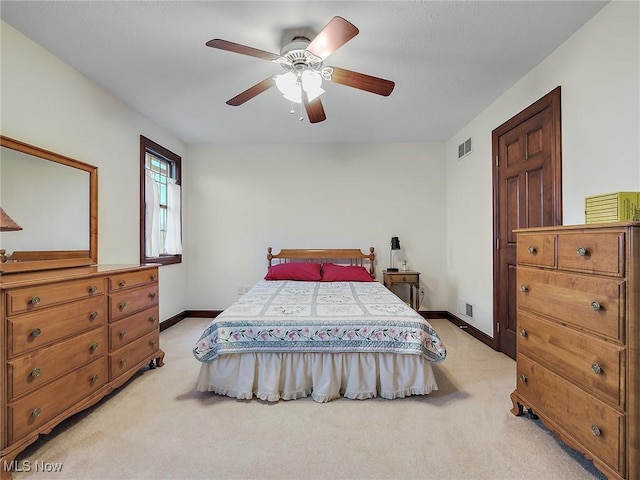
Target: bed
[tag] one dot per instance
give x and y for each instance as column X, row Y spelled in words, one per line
column 318, row 325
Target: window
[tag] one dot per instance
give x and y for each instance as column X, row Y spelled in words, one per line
column 160, row 204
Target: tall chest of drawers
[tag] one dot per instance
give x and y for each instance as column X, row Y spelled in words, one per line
column 578, row 321
column 69, row 337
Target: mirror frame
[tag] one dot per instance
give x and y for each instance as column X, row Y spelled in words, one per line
column 27, row 261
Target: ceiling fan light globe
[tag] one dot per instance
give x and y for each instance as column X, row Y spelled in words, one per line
column 312, row 84
column 287, row 84
column 311, row 80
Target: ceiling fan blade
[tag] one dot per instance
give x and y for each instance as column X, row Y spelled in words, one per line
column 335, row 34
column 315, row 110
column 242, row 49
column 376, row 85
column 249, row 93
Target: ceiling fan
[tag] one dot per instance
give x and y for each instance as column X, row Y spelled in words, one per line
column 302, row 59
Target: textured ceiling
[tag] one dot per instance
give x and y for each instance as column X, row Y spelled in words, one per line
column 450, row 60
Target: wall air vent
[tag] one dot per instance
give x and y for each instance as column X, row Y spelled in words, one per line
column 469, row 310
column 464, row 148
column 465, row 309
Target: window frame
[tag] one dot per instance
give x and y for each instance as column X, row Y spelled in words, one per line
column 147, row 145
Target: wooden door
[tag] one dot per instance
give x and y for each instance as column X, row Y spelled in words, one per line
column 527, row 181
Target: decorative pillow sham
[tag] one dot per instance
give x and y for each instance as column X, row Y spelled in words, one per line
column 294, row 271
column 345, row 273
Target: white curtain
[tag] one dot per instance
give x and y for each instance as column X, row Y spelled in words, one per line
column 173, row 242
column 152, row 215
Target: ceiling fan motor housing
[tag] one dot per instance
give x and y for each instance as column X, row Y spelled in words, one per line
column 297, row 58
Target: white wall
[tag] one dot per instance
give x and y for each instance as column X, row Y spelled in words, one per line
column 244, row 199
column 599, row 74
column 48, row 104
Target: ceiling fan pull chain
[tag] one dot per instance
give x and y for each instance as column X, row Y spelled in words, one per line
column 292, row 111
column 301, row 117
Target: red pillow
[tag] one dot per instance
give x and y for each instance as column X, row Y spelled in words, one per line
column 294, row 271
column 345, row 273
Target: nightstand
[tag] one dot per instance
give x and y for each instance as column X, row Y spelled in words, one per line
column 407, row 277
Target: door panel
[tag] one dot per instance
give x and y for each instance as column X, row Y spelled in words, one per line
column 527, row 193
column 535, row 198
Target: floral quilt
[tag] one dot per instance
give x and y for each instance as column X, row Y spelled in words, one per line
column 325, row 317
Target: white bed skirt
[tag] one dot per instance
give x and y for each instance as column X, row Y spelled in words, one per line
column 324, row 376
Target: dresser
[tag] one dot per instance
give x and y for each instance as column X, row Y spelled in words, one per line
column 70, row 337
column 578, row 342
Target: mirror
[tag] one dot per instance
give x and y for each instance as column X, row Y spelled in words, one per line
column 55, row 200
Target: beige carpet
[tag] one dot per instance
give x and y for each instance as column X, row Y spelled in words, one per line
column 158, row 427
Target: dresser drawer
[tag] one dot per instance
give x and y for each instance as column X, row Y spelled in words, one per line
column 595, row 365
column 590, row 303
column 34, row 330
column 132, row 279
column 29, row 372
column 39, row 297
column 132, row 327
column 539, row 250
column 36, row 409
column 127, row 357
column 593, row 252
column 598, row 427
column 130, row 301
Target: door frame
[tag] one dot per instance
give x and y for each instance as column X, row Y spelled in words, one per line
column 550, row 100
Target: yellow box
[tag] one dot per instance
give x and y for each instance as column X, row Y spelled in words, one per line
column 612, row 207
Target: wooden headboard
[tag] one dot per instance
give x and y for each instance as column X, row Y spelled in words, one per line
column 344, row 256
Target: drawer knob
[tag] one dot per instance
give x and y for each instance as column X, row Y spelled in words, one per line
column 35, row 373
column 524, row 288
column 34, row 300
column 523, row 378
column 597, row 369
column 596, row 430
column 153, row 320
column 532, row 249
column 94, row 378
column 596, row 306
column 153, row 276
column 93, row 315
column 36, row 332
column 123, row 362
column 123, row 333
column 94, row 346
column 523, row 332
column 122, row 283
column 93, row 289
column 153, row 295
column 122, row 306
column 154, row 343
column 36, row 412
column 582, row 252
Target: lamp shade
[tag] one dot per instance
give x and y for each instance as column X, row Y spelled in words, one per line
column 395, row 243
column 7, row 224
